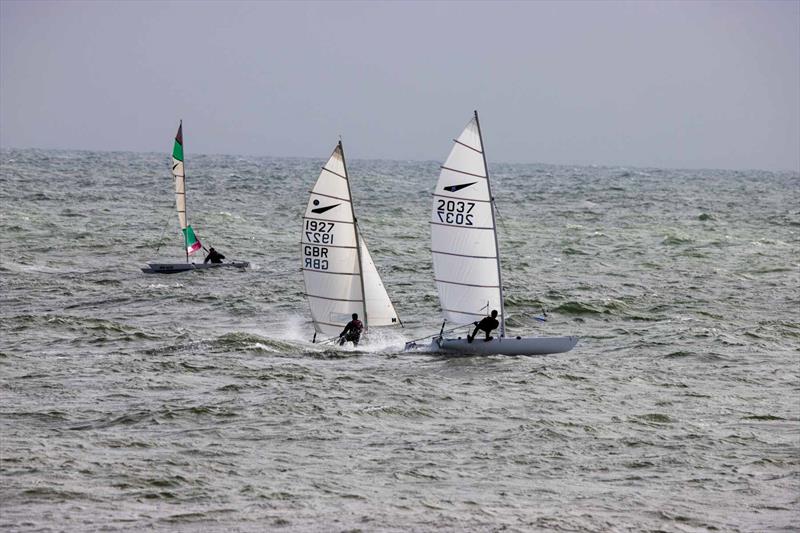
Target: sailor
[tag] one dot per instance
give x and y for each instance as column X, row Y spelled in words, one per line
column 214, row 256
column 487, row 324
column 352, row 331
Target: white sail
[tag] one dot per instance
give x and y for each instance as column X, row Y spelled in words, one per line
column 463, row 234
column 331, row 258
column 179, row 177
column 380, row 310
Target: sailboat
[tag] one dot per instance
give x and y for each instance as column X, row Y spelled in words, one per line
column 339, row 274
column 191, row 242
column 466, row 256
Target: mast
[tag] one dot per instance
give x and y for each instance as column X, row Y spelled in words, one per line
column 494, row 225
column 185, row 217
column 358, row 239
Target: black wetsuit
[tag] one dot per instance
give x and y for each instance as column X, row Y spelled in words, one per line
column 352, row 332
column 214, row 256
column 487, row 324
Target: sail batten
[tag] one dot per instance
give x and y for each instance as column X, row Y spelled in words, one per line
column 467, row 284
column 463, row 172
column 327, row 220
column 460, row 198
column 462, row 312
column 470, row 228
column 332, row 273
column 465, row 255
column 467, row 146
column 339, row 274
column 329, row 196
column 332, row 299
column 334, row 173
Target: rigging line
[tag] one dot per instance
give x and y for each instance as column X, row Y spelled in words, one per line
column 161, row 239
column 499, row 215
column 442, row 332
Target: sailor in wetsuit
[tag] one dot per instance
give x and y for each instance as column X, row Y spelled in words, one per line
column 352, row 331
column 487, row 324
column 213, row 256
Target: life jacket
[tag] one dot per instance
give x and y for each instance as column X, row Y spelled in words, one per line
column 488, row 323
column 354, row 326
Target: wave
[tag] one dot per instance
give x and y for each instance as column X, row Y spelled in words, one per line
column 291, row 345
column 78, row 324
column 241, row 341
column 579, row 308
column 676, row 239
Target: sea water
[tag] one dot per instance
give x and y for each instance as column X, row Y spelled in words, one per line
column 196, row 401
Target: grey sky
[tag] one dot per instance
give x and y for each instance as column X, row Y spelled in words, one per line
column 671, row 84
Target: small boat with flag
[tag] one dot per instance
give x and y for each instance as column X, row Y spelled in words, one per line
column 191, row 243
column 466, row 257
column 339, row 274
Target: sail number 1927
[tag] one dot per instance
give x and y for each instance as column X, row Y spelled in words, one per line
column 319, row 232
column 455, row 212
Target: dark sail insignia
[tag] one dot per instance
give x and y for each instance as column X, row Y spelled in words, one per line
column 454, row 188
column 320, row 210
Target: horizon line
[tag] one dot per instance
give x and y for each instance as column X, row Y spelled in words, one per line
column 586, row 165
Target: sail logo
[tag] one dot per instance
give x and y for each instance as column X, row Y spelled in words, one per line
column 455, row 188
column 320, row 210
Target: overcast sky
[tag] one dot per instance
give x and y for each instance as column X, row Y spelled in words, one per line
column 666, row 84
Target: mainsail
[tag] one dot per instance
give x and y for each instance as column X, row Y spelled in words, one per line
column 340, row 277
column 466, row 260
column 189, row 238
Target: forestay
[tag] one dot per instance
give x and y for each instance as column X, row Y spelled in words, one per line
column 466, row 262
column 333, row 254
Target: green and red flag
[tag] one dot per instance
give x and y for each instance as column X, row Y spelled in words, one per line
column 192, row 243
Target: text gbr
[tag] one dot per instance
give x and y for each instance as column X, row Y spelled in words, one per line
column 317, row 232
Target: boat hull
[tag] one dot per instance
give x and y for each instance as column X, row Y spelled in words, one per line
column 175, row 268
column 506, row 345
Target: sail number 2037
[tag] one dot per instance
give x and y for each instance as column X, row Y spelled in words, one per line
column 319, row 232
column 455, row 212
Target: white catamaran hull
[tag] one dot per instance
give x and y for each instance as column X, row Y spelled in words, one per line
column 506, row 345
column 174, row 268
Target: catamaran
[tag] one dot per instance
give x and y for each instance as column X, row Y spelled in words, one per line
column 466, row 257
column 339, row 274
column 191, row 242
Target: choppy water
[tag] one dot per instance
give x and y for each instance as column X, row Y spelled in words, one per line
column 195, row 402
